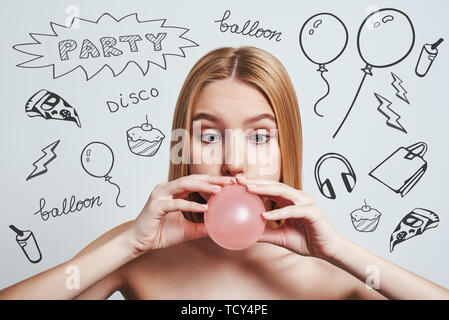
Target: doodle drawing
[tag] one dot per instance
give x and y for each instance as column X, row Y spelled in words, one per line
column 385, row 38
column 144, row 140
column 105, row 43
column 40, row 165
column 402, row 170
column 427, row 56
column 400, row 91
column 392, row 117
column 97, row 160
column 413, row 224
column 28, row 243
column 49, row 105
column 365, row 219
column 348, row 176
column 322, row 39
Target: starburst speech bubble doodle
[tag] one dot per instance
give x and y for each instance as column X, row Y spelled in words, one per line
column 105, row 43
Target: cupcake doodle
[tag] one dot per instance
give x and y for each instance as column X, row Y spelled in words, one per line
column 365, row 219
column 145, row 140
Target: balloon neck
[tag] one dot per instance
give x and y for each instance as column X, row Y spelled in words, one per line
column 368, row 69
column 321, row 68
column 107, row 178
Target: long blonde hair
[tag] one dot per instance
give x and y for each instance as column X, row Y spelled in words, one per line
column 263, row 71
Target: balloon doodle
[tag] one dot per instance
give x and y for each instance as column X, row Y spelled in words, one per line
column 97, row 160
column 322, row 39
column 385, row 38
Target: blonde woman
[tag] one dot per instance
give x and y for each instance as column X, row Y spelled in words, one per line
column 234, row 103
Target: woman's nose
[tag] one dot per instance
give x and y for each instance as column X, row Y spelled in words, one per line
column 234, row 153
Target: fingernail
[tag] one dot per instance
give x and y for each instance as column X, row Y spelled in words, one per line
column 204, row 206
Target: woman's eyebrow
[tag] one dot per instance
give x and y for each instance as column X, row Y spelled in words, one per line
column 260, row 117
column 205, row 116
column 248, row 121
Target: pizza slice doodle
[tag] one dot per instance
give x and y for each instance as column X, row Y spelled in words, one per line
column 413, row 224
column 49, row 105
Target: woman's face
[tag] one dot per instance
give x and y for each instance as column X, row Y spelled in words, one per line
column 234, row 131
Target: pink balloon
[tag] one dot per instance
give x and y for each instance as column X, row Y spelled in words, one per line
column 234, row 219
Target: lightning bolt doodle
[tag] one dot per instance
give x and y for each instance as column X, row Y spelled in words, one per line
column 392, row 117
column 40, row 165
column 400, row 91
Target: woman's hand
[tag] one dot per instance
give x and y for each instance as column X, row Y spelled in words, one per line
column 305, row 231
column 161, row 223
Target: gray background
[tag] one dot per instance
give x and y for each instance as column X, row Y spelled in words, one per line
column 365, row 139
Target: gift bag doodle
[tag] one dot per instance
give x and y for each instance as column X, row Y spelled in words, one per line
column 402, row 169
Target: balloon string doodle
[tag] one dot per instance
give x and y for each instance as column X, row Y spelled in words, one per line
column 108, row 179
column 318, row 31
column 327, row 92
column 367, row 71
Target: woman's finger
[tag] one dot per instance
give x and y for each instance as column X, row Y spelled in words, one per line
column 245, row 180
column 276, row 192
column 260, row 185
column 210, row 178
column 201, row 183
column 296, row 211
column 171, row 205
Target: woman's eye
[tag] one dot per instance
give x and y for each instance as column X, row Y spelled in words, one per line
column 210, row 137
column 259, row 138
